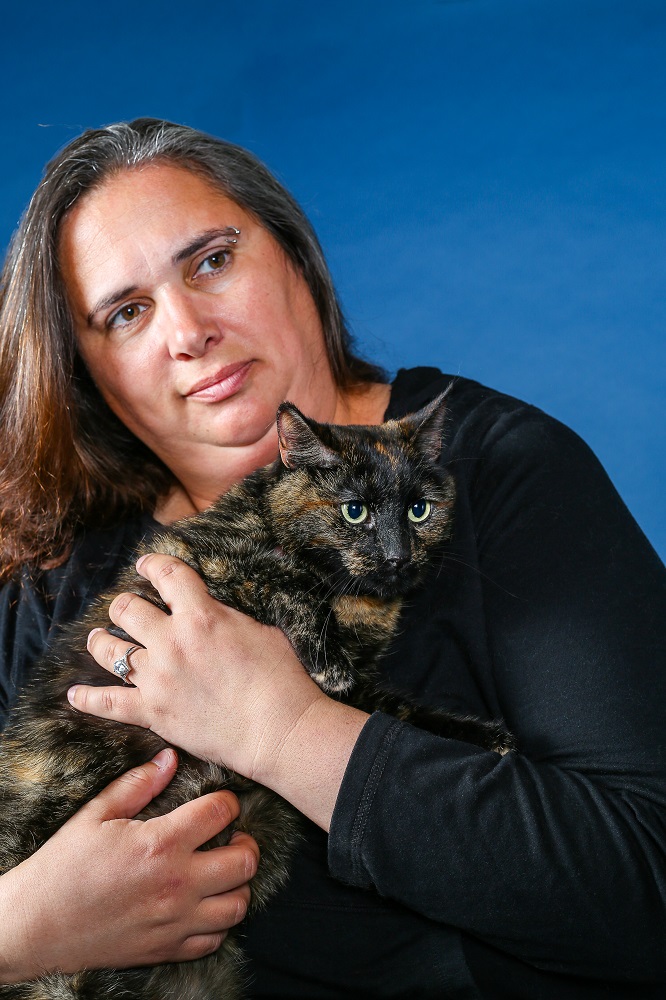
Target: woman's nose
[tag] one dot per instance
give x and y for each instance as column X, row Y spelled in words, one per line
column 190, row 327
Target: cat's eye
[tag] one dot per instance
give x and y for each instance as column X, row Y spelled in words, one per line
column 354, row 512
column 419, row 511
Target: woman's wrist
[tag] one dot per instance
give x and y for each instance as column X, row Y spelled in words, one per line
column 305, row 762
column 18, row 962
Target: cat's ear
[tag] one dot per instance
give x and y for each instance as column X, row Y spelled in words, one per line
column 299, row 443
column 426, row 426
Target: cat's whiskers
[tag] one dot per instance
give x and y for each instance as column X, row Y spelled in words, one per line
column 322, row 636
column 450, row 557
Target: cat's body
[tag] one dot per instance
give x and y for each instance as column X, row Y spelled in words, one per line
column 323, row 544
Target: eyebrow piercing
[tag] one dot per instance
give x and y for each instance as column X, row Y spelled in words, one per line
column 231, row 234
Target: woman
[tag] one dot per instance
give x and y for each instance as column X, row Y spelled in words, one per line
column 184, row 293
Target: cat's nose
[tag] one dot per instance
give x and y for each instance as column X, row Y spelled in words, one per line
column 397, row 562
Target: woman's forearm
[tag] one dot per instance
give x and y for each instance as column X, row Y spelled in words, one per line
column 307, row 760
column 19, row 960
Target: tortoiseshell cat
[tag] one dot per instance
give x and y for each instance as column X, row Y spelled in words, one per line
column 323, row 543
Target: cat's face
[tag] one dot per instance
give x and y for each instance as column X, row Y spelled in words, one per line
column 369, row 506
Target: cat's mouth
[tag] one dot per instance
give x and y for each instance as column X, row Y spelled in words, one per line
column 390, row 581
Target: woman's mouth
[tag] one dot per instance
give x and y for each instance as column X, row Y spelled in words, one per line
column 221, row 384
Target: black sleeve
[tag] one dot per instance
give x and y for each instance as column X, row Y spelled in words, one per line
column 24, row 628
column 556, row 854
column 35, row 604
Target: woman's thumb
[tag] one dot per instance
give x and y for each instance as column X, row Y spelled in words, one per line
column 133, row 790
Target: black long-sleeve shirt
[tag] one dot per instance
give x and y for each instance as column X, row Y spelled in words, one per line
column 449, row 871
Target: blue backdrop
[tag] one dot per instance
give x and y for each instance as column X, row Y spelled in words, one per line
column 487, row 177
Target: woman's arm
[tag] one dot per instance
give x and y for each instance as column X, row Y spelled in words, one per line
column 555, row 855
column 108, row 890
column 532, row 853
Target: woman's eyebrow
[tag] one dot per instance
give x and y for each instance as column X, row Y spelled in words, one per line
column 229, row 233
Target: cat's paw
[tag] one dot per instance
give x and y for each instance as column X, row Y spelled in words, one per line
column 332, row 672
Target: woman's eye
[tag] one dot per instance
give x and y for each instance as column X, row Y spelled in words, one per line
column 214, row 262
column 354, row 512
column 127, row 314
column 419, row 511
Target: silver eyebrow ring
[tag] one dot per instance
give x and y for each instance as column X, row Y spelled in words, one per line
column 231, row 234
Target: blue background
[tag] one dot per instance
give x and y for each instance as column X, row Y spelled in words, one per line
column 487, row 176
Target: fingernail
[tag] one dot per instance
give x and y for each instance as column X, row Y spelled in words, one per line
column 163, row 759
column 71, row 694
column 140, row 561
column 91, row 634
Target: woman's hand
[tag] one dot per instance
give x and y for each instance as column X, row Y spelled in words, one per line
column 227, row 689
column 109, row 890
column 210, row 680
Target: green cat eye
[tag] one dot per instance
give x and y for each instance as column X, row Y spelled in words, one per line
column 354, row 512
column 419, row 511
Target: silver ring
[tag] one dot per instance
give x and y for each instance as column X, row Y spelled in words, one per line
column 121, row 667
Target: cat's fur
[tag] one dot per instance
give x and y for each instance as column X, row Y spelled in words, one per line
column 277, row 547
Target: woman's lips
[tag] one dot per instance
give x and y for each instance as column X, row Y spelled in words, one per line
column 220, row 385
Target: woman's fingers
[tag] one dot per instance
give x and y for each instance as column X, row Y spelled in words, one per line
column 190, row 825
column 198, row 946
column 223, row 910
column 223, row 869
column 195, row 822
column 107, row 649
column 123, row 704
column 175, row 581
column 178, row 585
column 125, row 797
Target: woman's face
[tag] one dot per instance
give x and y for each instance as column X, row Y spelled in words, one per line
column 192, row 339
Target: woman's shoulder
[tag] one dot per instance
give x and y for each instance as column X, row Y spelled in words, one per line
column 414, row 387
column 480, row 419
column 97, row 556
column 509, row 456
column 36, row 602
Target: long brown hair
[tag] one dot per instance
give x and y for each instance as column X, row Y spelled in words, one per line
column 66, row 461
